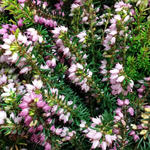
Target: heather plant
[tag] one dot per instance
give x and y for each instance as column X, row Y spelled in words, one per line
column 74, row 74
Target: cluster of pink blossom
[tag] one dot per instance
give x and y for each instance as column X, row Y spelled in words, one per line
column 124, row 14
column 38, row 2
column 82, row 36
column 64, row 132
column 59, row 42
column 7, row 29
column 117, row 78
column 50, row 64
column 143, row 87
column 77, row 4
column 47, row 22
column 141, row 90
column 33, row 103
column 75, row 75
column 12, row 120
column 31, row 97
column 4, row 119
column 40, row 138
column 76, row 69
column 121, row 120
column 116, row 20
column 59, row 5
column 12, row 45
column 3, row 77
column 103, row 70
column 62, row 112
column 16, row 119
column 60, row 32
column 10, row 86
column 96, row 133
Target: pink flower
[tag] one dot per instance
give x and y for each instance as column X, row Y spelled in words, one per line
column 37, row 84
column 58, row 131
column 106, row 7
column 54, row 109
column 98, row 135
column 140, row 90
column 7, row 41
column 114, row 32
column 53, row 62
column 119, row 66
column 91, row 134
column 81, row 36
column 25, row 70
column 114, row 76
column 23, row 105
column 52, row 128
column 33, row 96
column 104, row 145
column 47, row 146
column 60, row 111
column 46, row 107
column 95, row 144
column 36, row 18
column 14, row 58
column 24, row 112
column 50, row 23
column 5, row 46
column 133, row 12
column 3, row 31
column 39, row 128
column 136, row 137
column 28, row 120
column 118, row 110
column 120, row 78
column 120, row 115
column 117, row 118
column 66, row 50
column 72, row 76
column 97, row 120
column 113, row 40
column 120, row 102
column 40, row 103
column 84, row 19
column 2, row 116
column 114, row 71
column 131, row 111
column 8, row 52
column 3, row 79
column 27, row 99
column 132, row 132
column 65, row 118
column 20, row 24
column 123, row 122
column 108, row 138
column 126, row 102
column 126, row 18
column 83, row 123
column 21, row 1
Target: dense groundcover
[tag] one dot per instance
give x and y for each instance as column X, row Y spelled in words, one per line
column 75, row 75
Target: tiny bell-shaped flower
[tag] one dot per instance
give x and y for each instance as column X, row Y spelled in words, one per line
column 120, row 102
column 131, row 111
